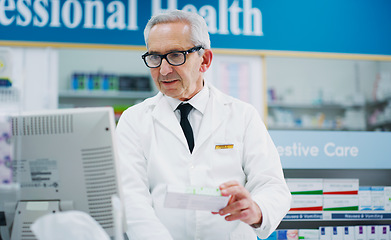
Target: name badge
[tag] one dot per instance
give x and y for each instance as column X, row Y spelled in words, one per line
column 225, row 146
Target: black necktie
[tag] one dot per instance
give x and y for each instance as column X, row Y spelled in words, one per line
column 185, row 124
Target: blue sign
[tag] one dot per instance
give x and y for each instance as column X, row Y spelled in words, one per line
column 360, row 26
column 333, row 150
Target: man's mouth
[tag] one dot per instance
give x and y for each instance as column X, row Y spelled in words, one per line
column 169, row 81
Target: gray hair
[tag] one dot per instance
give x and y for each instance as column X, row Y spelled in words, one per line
column 198, row 28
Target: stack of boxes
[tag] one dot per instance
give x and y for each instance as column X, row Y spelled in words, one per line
column 372, row 232
column 317, row 194
column 340, row 194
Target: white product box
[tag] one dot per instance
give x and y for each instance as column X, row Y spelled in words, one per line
column 325, row 233
column 337, row 233
column 387, row 198
column 305, row 185
column 360, row 232
column 377, row 198
column 364, row 198
column 371, row 232
column 340, row 202
column 195, row 198
column 383, row 232
column 307, row 203
column 312, row 234
column 348, row 233
column 340, row 186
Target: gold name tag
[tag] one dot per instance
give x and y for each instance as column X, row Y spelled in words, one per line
column 227, row 146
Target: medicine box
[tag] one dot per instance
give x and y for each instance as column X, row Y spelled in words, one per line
column 340, row 186
column 387, row 198
column 309, row 234
column 337, row 233
column 383, row 232
column 340, row 202
column 325, row 233
column 364, row 198
column 377, row 198
column 307, row 203
column 348, row 233
column 360, row 232
column 305, row 185
column 371, row 232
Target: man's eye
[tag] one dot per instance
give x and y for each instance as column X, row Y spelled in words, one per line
column 175, row 55
column 154, row 57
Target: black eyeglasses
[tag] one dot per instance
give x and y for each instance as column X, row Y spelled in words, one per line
column 175, row 58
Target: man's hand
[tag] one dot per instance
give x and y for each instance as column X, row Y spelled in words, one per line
column 240, row 206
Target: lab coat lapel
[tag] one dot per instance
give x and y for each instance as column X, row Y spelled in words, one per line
column 215, row 113
column 166, row 117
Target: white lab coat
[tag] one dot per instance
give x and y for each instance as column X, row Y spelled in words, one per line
column 153, row 153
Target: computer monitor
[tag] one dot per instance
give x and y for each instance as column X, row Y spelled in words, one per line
column 65, row 159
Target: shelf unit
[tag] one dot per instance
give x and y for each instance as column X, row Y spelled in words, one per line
column 315, row 219
column 71, row 98
column 289, row 116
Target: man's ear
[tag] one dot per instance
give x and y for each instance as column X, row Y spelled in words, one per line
column 206, row 60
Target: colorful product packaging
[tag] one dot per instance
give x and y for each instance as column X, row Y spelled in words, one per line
column 340, row 186
column 325, row 233
column 377, row 198
column 364, row 198
column 387, row 199
column 340, row 202
column 360, row 232
column 307, row 203
column 307, row 186
column 348, row 233
column 309, row 234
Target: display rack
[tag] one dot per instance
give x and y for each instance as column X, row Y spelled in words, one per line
column 338, row 216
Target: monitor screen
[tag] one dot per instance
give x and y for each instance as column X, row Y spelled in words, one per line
column 65, row 159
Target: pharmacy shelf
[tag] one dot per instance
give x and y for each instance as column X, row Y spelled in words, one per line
column 105, row 94
column 338, row 216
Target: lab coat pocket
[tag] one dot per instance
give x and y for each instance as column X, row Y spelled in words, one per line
column 227, row 160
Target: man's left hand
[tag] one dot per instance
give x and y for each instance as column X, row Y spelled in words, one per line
column 240, row 206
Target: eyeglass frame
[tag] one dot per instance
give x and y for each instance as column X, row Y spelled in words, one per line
column 164, row 56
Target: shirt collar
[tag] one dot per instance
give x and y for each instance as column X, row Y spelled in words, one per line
column 199, row 101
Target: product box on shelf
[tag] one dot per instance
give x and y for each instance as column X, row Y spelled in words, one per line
column 305, row 185
column 309, row 234
column 377, row 198
column 340, row 186
column 289, row 234
column 364, row 198
column 383, row 232
column 325, row 233
column 338, row 233
column 387, row 198
column 340, row 202
column 348, row 233
column 360, row 232
column 307, row 203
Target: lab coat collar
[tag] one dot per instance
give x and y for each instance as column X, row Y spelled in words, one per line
column 216, row 112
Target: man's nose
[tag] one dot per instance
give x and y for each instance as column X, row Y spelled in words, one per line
column 165, row 68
